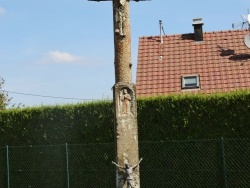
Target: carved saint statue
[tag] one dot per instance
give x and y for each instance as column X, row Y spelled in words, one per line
column 125, row 102
column 120, row 17
column 128, row 172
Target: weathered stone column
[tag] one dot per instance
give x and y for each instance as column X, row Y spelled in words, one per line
column 126, row 131
column 122, row 41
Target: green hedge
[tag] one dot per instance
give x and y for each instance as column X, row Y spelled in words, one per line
column 159, row 118
column 80, row 123
column 195, row 116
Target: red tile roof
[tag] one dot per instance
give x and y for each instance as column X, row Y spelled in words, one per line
column 221, row 60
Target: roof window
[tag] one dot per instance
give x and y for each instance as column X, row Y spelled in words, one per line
column 190, row 82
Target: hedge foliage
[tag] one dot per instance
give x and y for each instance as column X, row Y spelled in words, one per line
column 160, row 118
column 80, row 123
column 195, row 116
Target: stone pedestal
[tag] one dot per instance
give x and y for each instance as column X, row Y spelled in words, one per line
column 126, row 132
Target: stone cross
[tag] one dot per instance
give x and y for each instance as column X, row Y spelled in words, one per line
column 126, row 130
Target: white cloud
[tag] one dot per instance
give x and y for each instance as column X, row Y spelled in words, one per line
column 63, row 57
column 59, row 57
column 2, row 11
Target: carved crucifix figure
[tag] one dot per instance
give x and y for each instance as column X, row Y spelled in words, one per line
column 128, row 172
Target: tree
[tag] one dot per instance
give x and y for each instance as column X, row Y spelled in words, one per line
column 4, row 97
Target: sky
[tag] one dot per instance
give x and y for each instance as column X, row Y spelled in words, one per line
column 56, row 52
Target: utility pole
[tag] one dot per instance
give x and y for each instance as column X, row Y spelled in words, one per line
column 126, row 129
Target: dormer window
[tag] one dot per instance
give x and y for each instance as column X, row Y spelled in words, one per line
column 190, row 82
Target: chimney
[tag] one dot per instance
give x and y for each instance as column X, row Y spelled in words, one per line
column 198, row 33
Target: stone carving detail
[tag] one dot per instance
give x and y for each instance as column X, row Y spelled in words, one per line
column 122, row 2
column 125, row 102
column 120, row 17
column 128, row 175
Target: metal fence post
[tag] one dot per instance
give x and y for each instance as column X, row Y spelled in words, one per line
column 224, row 170
column 67, row 164
column 8, row 166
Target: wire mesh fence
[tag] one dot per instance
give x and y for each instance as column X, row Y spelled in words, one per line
column 221, row 163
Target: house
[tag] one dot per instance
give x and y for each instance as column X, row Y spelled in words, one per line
column 199, row 62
